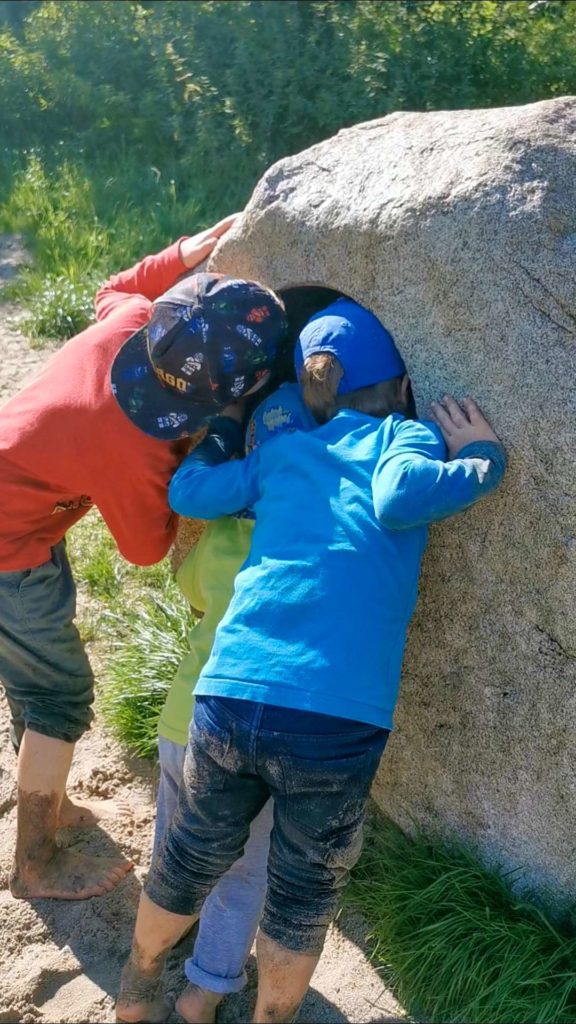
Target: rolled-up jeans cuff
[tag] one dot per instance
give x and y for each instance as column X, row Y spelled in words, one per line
column 212, row 983
column 55, row 732
column 164, row 894
column 307, row 939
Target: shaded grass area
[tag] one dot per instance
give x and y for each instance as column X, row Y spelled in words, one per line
column 135, row 622
column 454, row 941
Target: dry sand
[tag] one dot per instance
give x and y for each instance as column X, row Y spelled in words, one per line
column 61, row 961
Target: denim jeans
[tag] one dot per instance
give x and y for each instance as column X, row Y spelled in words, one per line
column 319, row 771
column 231, row 914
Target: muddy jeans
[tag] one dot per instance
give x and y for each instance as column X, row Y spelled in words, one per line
column 318, row 769
column 231, row 914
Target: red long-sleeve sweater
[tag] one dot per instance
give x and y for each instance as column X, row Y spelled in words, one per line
column 65, row 444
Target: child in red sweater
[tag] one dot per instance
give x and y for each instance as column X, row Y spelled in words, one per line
column 104, row 424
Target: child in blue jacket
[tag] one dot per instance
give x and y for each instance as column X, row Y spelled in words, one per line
column 230, row 915
column 297, row 698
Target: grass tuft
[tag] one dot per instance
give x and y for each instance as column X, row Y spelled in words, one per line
column 104, row 574
column 137, row 623
column 57, row 306
column 145, row 645
column 455, row 942
column 95, row 560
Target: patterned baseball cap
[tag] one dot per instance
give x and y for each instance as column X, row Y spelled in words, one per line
column 210, row 339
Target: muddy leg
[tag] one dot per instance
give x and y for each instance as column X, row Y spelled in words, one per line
column 41, row 868
column 283, row 980
column 140, row 997
column 197, row 1005
column 156, row 932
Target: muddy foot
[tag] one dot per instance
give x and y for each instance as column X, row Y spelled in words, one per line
column 139, row 999
column 69, row 876
column 88, row 813
column 197, row 1005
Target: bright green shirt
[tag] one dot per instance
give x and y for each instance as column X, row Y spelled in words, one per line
column 206, row 578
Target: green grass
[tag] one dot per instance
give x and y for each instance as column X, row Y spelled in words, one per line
column 145, row 645
column 83, row 222
column 94, row 559
column 454, row 941
column 136, row 622
column 57, row 306
column 104, row 574
column 126, row 124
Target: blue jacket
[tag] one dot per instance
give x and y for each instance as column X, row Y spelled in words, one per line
column 321, row 606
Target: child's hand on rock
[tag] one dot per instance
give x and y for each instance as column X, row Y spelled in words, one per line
column 197, row 248
column 461, row 424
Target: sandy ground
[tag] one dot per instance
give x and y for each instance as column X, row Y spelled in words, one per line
column 60, row 962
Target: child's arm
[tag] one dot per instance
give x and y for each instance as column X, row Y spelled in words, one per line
column 154, row 275
column 412, row 485
column 206, row 485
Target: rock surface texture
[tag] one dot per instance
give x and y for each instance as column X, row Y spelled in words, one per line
column 458, row 229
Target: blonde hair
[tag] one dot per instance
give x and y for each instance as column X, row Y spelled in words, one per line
column 320, row 377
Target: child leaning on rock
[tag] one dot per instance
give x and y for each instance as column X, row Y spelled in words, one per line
column 297, row 699
column 105, row 424
column 230, row 915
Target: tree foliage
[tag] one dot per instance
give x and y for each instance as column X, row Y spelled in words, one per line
column 157, row 111
column 247, row 81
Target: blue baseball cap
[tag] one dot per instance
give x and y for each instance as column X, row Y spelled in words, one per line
column 363, row 347
column 210, row 339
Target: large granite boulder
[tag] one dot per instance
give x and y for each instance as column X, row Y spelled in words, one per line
column 458, row 229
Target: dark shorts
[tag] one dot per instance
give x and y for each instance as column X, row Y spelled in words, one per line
column 319, row 771
column 43, row 665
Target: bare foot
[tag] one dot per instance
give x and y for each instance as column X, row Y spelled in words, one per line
column 88, row 813
column 198, row 1005
column 139, row 998
column 68, row 876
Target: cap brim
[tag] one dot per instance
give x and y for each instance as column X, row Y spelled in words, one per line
column 150, row 406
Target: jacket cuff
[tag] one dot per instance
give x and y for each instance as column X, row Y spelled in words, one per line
column 225, row 436
column 491, row 450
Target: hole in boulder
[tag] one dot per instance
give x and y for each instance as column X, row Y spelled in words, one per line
column 302, row 302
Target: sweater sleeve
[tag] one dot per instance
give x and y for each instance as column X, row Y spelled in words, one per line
column 207, row 485
column 412, row 485
column 149, row 279
column 142, row 524
column 136, row 509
